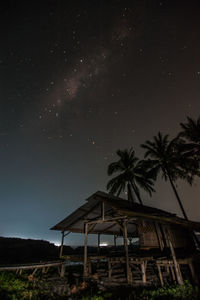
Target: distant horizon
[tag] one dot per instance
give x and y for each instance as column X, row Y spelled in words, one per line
column 58, row 245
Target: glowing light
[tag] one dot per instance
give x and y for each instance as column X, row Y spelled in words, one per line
column 103, row 244
column 56, row 244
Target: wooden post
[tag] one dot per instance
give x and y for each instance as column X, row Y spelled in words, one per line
column 62, row 271
column 143, row 268
column 102, row 210
column 126, row 251
column 98, row 249
column 115, row 240
column 89, row 267
column 172, row 273
column 176, row 265
column 192, row 272
column 160, row 275
column 62, row 242
column 167, row 270
column 159, row 236
column 109, row 269
column 85, row 272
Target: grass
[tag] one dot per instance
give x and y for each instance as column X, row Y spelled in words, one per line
column 28, row 287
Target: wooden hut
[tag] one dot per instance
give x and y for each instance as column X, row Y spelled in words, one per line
column 156, row 229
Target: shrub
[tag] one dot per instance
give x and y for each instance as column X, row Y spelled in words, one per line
column 176, row 292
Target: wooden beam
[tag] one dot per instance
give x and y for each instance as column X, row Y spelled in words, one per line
column 109, row 269
column 164, row 220
column 193, row 272
column 62, row 271
column 91, row 227
column 143, row 269
column 120, row 225
column 159, row 236
column 128, row 275
column 176, row 265
column 102, row 210
column 32, row 266
column 62, row 242
column 160, row 275
column 115, row 240
column 172, row 273
column 110, row 226
column 105, row 220
column 98, row 249
column 85, row 271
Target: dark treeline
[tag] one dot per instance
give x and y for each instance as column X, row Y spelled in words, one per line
column 17, row 250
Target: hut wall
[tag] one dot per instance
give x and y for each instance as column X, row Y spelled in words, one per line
column 147, row 235
column 180, row 237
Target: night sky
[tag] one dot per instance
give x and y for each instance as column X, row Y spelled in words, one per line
column 79, row 80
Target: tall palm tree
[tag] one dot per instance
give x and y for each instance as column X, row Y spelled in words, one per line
column 191, row 132
column 168, row 158
column 132, row 174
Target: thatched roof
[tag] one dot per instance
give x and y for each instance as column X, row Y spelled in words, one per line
column 116, row 207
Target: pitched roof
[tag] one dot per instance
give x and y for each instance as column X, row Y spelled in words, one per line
column 116, row 207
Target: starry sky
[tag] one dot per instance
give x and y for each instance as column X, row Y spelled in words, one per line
column 79, row 80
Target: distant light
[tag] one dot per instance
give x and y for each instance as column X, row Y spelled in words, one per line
column 56, row 244
column 103, row 245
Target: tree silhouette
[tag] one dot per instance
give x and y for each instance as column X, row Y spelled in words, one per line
column 191, row 132
column 132, row 174
column 169, row 158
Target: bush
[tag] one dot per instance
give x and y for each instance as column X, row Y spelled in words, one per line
column 176, row 292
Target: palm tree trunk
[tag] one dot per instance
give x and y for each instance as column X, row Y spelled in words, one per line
column 137, row 193
column 130, row 196
column 177, row 197
column 196, row 241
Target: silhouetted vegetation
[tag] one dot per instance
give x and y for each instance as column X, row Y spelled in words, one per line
column 177, row 158
column 16, row 250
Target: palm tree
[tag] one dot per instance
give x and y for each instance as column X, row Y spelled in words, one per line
column 132, row 174
column 191, row 132
column 168, row 158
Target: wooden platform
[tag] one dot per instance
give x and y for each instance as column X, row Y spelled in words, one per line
column 35, row 266
column 142, row 270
